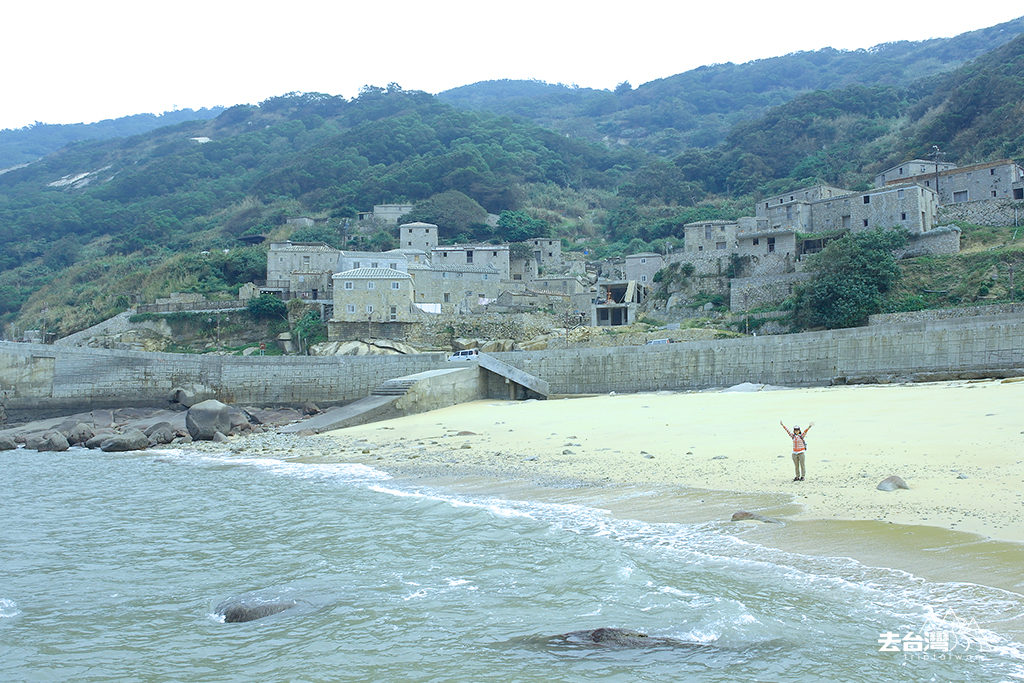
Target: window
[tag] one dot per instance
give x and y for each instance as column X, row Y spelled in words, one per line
column 355, row 264
column 410, row 244
column 757, row 241
column 350, row 308
column 643, row 260
column 373, row 265
column 393, row 266
column 371, row 285
column 903, row 216
column 899, row 194
column 960, row 196
column 993, row 193
column 927, row 183
column 447, row 297
column 1018, row 193
column 551, row 254
column 469, row 257
column 394, row 313
column 700, row 248
column 517, row 276
column 867, row 199
column 991, row 171
column 395, row 285
column 305, row 262
column 707, row 232
column 444, row 254
column 348, row 284
column 643, row 278
column 720, row 246
column 771, row 244
column 494, row 253
column 865, row 222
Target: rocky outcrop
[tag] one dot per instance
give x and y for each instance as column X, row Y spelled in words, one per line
column 371, row 347
column 206, row 418
column 891, row 484
column 79, row 434
column 161, row 433
column 7, row 443
column 53, row 441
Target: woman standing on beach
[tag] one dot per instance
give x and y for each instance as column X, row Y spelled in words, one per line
column 799, row 449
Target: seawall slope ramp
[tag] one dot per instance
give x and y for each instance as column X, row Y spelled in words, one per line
column 407, row 395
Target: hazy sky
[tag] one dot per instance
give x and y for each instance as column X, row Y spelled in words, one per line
column 87, row 60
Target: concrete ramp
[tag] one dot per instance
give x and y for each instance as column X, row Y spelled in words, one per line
column 520, row 384
column 400, row 396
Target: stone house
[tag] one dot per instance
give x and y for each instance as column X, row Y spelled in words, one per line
column 496, row 255
column 991, row 180
column 457, row 287
column 385, row 213
column 421, row 236
column 378, row 294
column 301, row 270
column 642, row 267
column 523, row 269
column 352, row 260
column 909, row 169
column 558, row 284
column 909, row 206
column 792, row 209
column 546, row 251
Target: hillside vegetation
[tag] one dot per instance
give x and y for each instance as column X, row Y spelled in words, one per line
column 100, row 224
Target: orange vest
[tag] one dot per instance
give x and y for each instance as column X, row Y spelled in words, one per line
column 799, row 445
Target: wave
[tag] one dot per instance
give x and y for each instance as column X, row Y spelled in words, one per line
column 8, row 608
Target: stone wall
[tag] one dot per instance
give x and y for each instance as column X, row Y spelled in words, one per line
column 1000, row 310
column 46, row 379
column 944, row 240
column 917, row 352
column 41, row 379
column 991, row 212
column 760, row 291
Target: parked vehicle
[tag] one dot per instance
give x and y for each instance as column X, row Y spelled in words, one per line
column 659, row 341
column 468, row 354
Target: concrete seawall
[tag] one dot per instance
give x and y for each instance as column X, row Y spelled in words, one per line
column 42, row 379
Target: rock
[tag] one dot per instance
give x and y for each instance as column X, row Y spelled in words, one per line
column 80, row 433
column 219, row 438
column 7, row 443
column 240, row 612
column 34, row 441
column 206, row 418
column 743, row 515
column 239, row 420
column 130, row 440
column 618, row 637
column 310, row 408
column 161, row 433
column 183, row 397
column 53, row 441
column 961, row 476
column 97, row 440
column 891, row 484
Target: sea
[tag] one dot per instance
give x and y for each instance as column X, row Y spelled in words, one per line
column 117, row 567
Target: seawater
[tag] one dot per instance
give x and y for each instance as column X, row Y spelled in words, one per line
column 112, row 567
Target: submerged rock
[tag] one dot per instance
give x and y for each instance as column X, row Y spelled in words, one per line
column 240, row 612
column 891, row 484
column 131, row 440
column 753, row 516
column 620, row 637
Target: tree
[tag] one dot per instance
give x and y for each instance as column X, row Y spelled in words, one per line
column 452, row 211
column 849, row 279
column 519, row 226
column 267, row 307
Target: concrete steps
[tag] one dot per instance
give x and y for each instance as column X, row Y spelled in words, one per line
column 394, row 387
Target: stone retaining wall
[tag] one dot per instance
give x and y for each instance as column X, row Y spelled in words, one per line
column 42, row 379
column 992, row 212
column 1002, row 310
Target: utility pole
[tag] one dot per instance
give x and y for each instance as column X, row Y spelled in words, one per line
column 936, row 154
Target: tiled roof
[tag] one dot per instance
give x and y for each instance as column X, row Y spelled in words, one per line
column 454, row 268
column 371, row 274
column 318, row 247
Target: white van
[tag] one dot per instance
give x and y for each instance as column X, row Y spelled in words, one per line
column 468, row 354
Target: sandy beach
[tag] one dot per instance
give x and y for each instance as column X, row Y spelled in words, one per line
column 958, row 445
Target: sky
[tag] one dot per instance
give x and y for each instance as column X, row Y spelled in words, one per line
column 84, row 61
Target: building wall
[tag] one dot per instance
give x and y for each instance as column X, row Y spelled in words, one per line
column 910, row 206
column 390, row 213
column 642, row 267
column 710, row 236
column 350, row 260
column 455, row 289
column 992, row 180
column 909, row 169
column 474, row 255
column 284, row 258
column 523, row 269
column 422, row 236
column 768, row 207
column 382, row 299
column 547, row 252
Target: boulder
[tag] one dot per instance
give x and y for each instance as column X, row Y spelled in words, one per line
column 53, row 441
column 242, row 611
column 80, row 433
column 891, row 484
column 161, row 433
column 34, row 441
column 240, row 420
column 219, row 438
column 206, row 418
column 97, row 439
column 7, row 443
column 130, row 440
column 310, row 408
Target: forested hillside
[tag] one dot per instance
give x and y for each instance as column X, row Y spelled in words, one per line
column 99, row 224
column 22, row 145
column 699, row 108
